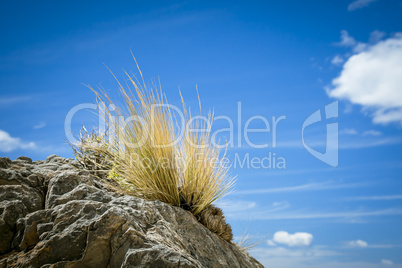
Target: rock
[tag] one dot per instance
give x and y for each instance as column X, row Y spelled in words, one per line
column 4, row 162
column 10, row 177
column 55, row 215
column 6, row 236
column 25, row 159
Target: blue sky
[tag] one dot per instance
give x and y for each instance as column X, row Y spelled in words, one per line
column 276, row 58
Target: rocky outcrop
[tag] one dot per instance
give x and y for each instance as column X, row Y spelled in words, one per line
column 55, row 215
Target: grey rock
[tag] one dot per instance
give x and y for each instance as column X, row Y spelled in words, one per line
column 10, row 177
column 4, row 162
column 55, row 215
column 25, row 159
column 6, row 236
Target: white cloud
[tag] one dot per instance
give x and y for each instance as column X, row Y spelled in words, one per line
column 372, row 79
column 8, row 143
column 299, row 239
column 337, row 60
column 359, row 4
column 387, row 262
column 357, row 244
column 371, row 133
column 40, row 125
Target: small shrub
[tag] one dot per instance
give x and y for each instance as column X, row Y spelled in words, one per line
column 90, row 150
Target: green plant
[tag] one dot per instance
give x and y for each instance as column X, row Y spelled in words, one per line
column 148, row 159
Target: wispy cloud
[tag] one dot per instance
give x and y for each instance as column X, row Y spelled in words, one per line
column 328, row 185
column 303, row 214
column 282, row 257
column 384, row 246
column 387, row 262
column 350, row 41
column 346, row 39
column 337, row 60
column 350, row 144
column 359, row 4
column 376, row 36
column 236, row 206
column 40, row 125
column 236, row 209
column 6, row 100
column 9, row 143
column 311, row 257
column 373, row 198
column 317, row 251
column 351, row 131
column 357, row 244
column 348, row 131
column 370, row 143
column 371, row 133
column 363, row 244
column 282, row 212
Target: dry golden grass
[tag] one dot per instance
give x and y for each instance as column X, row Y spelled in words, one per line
column 248, row 242
column 150, row 160
column 212, row 218
column 88, row 154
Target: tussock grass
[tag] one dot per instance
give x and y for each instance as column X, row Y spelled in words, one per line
column 150, row 160
column 201, row 182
